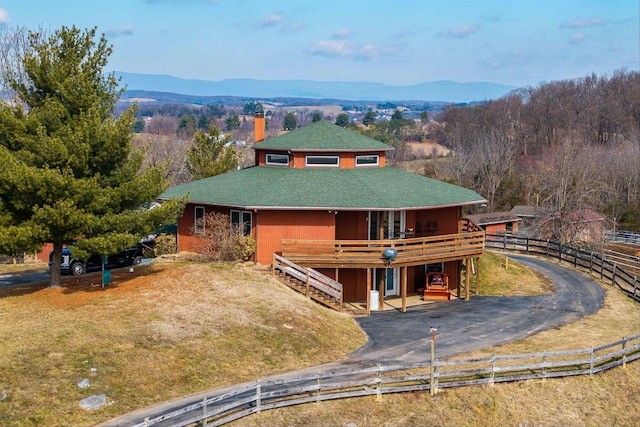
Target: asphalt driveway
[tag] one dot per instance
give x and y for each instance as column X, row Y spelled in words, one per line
column 481, row 322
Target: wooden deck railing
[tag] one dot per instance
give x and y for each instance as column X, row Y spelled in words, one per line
column 369, row 253
column 314, row 284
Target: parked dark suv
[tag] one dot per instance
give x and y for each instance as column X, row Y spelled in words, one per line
column 130, row 256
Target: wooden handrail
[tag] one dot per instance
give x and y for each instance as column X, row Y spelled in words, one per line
column 309, row 276
column 369, row 253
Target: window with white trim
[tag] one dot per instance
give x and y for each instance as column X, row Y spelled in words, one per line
column 198, row 220
column 368, row 160
column 243, row 220
column 277, row 159
column 327, row 161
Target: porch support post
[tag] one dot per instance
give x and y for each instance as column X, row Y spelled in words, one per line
column 459, row 290
column 337, row 279
column 368, row 291
column 477, row 276
column 404, row 289
column 467, row 279
column 382, row 287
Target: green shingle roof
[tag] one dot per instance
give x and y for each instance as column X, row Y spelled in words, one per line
column 322, row 135
column 323, row 188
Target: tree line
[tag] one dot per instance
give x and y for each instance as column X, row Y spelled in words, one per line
column 564, row 146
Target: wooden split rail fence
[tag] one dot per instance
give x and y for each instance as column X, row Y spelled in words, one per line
column 607, row 267
column 243, row 400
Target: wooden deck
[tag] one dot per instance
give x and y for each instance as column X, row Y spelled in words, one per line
column 369, row 253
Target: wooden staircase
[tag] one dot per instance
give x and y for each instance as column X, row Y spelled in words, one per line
column 320, row 288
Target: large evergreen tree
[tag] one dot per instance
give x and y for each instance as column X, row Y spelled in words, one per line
column 68, row 173
column 209, row 156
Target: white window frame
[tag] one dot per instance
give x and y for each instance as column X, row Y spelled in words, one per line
column 247, row 220
column 377, row 162
column 275, row 163
column 199, row 213
column 321, row 165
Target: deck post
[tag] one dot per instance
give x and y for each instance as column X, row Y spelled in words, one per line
column 467, row 279
column 477, row 276
column 368, row 291
column 459, row 290
column 404, row 289
column 382, row 287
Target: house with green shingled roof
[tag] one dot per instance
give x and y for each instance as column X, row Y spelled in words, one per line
column 322, row 197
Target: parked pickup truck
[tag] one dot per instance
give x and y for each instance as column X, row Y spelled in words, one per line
column 130, row 256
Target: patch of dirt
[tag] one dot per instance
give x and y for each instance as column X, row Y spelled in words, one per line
column 424, row 149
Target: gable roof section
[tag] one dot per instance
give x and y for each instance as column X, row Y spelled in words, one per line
column 322, row 136
column 493, row 218
column 386, row 188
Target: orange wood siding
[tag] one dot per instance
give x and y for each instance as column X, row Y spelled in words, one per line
column 500, row 228
column 446, row 221
column 351, row 226
column 273, row 226
column 187, row 241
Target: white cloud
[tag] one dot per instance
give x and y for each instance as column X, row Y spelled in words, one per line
column 120, row 31
column 4, row 16
column 292, row 29
column 460, row 31
column 577, row 38
column 271, row 20
column 580, row 23
column 332, row 48
column 516, row 58
column 342, row 33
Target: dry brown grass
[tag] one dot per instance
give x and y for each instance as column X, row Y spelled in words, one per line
column 164, row 331
column 607, row 399
column 501, row 276
column 173, row 328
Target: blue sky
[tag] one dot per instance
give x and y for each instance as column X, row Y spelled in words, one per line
column 398, row 42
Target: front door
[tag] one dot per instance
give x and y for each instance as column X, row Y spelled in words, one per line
column 388, row 276
column 385, row 225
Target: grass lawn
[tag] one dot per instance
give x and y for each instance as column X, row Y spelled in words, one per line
column 167, row 330
column 174, row 328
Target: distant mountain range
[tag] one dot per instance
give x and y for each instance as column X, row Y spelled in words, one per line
column 437, row 91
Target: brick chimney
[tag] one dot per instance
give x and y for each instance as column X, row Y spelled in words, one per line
column 258, row 127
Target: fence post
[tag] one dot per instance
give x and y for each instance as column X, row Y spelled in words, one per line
column 306, row 284
column 504, row 239
column 559, row 253
column 591, row 263
column 273, row 265
column 613, row 275
column 547, row 248
column 591, row 363
column 318, row 391
column 146, row 422
column 379, row 381
column 635, row 286
column 544, row 364
column 624, row 353
column 204, row 412
column 492, row 374
column 527, row 245
column 258, row 397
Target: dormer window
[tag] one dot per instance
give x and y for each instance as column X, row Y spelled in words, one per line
column 368, row 160
column 326, row 161
column 277, row 159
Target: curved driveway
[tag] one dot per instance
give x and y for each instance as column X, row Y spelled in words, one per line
column 481, row 322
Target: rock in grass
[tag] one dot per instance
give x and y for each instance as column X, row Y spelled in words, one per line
column 94, row 402
column 84, row 383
